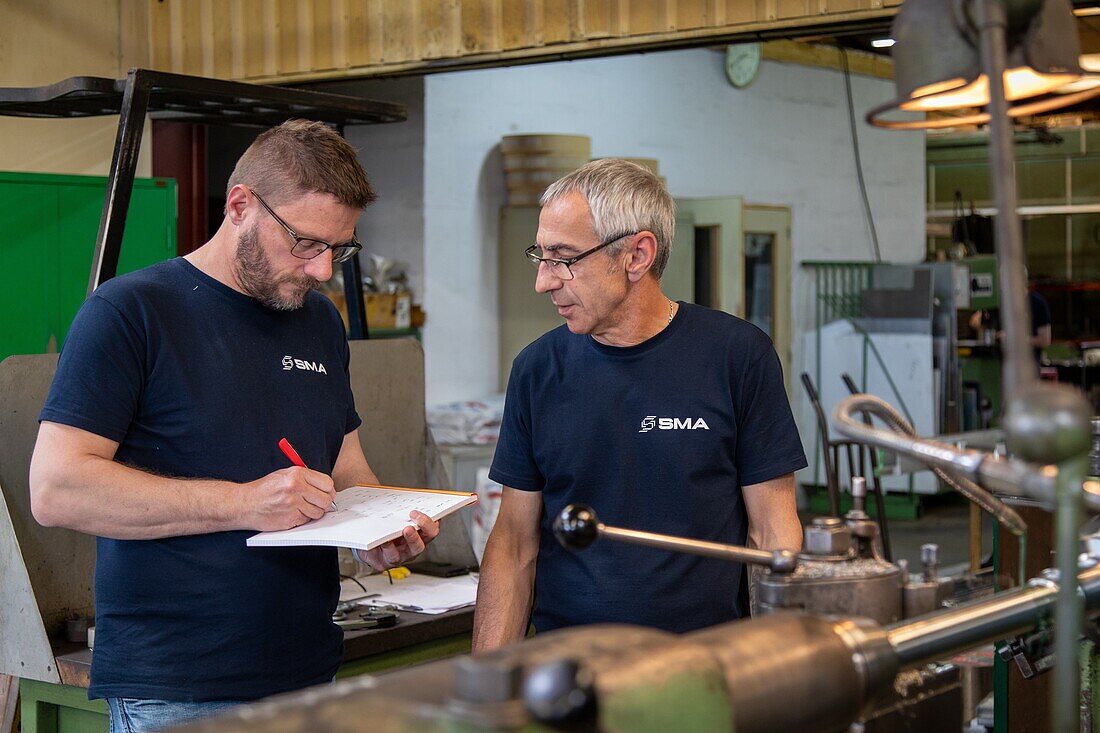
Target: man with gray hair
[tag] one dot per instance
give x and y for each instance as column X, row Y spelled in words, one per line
column 664, row 416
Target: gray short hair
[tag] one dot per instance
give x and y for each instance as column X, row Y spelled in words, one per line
column 623, row 197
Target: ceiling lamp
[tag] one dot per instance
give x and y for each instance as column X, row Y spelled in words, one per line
column 937, row 64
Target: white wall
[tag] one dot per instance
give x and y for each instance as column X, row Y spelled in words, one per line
column 783, row 140
column 393, row 157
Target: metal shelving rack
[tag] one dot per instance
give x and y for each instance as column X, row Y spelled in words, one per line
column 176, row 97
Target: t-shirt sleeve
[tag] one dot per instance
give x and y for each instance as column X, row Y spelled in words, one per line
column 768, row 445
column 100, row 374
column 514, row 461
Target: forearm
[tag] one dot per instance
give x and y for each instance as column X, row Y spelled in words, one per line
column 349, row 478
column 504, row 595
column 777, row 534
column 781, row 531
column 99, row 496
column 351, row 467
column 773, row 514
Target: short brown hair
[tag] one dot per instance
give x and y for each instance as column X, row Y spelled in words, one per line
column 300, row 157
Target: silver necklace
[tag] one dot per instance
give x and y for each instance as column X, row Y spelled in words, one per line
column 671, row 307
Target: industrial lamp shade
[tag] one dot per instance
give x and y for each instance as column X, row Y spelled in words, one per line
column 937, row 64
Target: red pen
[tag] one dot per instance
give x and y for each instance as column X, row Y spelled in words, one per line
column 289, row 452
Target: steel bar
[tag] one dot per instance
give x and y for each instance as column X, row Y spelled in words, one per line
column 1068, row 620
column 778, row 560
column 1019, row 366
column 935, row 636
column 830, row 461
column 196, row 99
column 880, row 501
column 120, row 182
column 358, row 328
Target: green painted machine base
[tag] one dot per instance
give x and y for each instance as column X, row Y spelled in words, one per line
column 50, row 708
column 416, row 654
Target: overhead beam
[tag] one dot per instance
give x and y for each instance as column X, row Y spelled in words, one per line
column 311, row 40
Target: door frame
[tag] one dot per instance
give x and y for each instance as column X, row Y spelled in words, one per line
column 774, row 219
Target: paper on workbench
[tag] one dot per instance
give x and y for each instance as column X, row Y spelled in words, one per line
column 366, row 517
column 419, row 593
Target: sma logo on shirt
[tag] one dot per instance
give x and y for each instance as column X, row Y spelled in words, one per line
column 649, row 422
column 289, row 362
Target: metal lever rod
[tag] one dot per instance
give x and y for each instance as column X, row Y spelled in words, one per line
column 577, row 527
column 781, row 561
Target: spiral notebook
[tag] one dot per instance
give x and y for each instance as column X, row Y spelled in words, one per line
column 367, row 516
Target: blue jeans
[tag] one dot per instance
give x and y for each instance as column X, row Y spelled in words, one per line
column 129, row 715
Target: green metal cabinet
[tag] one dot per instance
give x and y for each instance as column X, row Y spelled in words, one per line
column 49, row 229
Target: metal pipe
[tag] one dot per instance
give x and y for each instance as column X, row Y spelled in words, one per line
column 927, row 638
column 782, row 561
column 830, row 461
column 1007, row 475
column 1065, row 690
column 946, row 461
column 1019, row 367
column 880, row 501
column 120, row 179
column 932, row 637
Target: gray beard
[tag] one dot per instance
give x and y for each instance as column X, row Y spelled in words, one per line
column 255, row 274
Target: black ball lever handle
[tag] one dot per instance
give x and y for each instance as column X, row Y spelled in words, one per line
column 577, row 526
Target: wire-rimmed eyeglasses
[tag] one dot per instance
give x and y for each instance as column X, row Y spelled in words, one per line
column 561, row 268
column 305, row 248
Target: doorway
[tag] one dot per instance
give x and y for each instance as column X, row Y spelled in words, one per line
column 735, row 257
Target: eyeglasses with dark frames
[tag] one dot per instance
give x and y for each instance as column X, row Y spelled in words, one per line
column 305, row 248
column 562, row 268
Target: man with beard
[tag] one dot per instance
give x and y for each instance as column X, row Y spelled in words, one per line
column 160, row 436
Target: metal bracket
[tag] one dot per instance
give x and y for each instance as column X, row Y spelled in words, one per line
column 1030, row 653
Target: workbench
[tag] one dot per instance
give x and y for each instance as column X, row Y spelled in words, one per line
column 417, row 638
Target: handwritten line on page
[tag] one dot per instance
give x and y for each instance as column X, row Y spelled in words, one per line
column 367, row 517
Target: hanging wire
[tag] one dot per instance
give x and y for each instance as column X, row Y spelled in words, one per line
column 855, row 150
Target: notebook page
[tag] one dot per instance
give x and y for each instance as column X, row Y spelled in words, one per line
column 365, row 517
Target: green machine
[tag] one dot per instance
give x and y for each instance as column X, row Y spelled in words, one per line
column 979, row 354
column 50, row 224
column 983, row 281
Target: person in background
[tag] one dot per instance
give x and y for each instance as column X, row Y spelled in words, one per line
column 1040, row 322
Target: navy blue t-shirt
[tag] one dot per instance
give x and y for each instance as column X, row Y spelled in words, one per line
column 196, row 380
column 661, row 437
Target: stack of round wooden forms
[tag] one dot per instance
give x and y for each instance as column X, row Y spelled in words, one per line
column 533, row 162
